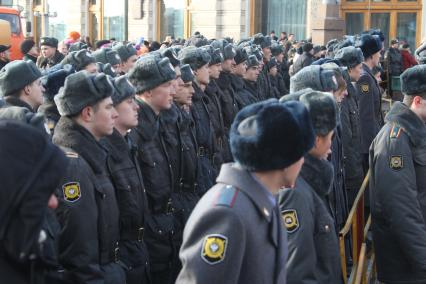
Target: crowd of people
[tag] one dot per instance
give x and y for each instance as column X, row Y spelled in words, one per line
column 199, row 160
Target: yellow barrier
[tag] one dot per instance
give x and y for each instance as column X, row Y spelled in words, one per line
column 355, row 225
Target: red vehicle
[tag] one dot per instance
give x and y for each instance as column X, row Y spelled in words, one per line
column 13, row 16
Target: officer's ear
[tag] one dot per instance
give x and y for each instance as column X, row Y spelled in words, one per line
column 87, row 114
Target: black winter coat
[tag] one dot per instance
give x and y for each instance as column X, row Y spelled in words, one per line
column 127, row 178
column 157, row 172
column 227, row 100
column 221, row 135
column 88, row 210
column 370, row 108
column 204, row 134
column 394, row 61
column 351, row 138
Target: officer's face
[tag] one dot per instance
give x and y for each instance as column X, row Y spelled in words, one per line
column 227, row 65
column 34, row 93
column 202, row 75
column 127, row 114
column 340, row 94
column 117, row 68
column 240, row 69
column 376, row 59
column 290, row 174
column 355, row 73
column 280, row 57
column 273, row 71
column 322, row 147
column 91, row 68
column 252, row 73
column 103, row 119
column 214, row 71
column 267, row 53
column 127, row 65
column 184, row 94
column 161, row 98
column 48, row 51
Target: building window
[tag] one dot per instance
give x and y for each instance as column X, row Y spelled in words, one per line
column 113, row 19
column 280, row 16
column 395, row 18
column 354, row 23
column 406, row 28
column 171, row 18
column 58, row 18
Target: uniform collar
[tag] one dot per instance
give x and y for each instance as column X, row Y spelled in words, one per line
column 409, row 121
column 231, row 174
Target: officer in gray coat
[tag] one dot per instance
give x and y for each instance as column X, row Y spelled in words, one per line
column 312, row 241
column 370, row 104
column 235, row 234
column 398, row 185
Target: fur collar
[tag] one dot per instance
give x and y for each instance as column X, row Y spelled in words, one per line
column 14, row 101
column 71, row 135
column 149, row 123
column 318, row 174
column 409, row 121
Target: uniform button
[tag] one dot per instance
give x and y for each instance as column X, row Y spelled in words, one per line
column 160, row 232
column 128, row 187
column 154, row 164
column 327, row 228
column 103, row 195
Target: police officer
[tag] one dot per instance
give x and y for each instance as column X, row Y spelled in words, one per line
column 228, row 103
column 28, row 185
column 352, row 58
column 50, row 56
column 312, row 241
column 397, row 163
column 88, row 211
column 52, row 82
column 128, row 56
column 370, row 100
column 81, row 60
column 199, row 59
column 108, row 56
column 264, row 84
column 127, row 178
column 283, row 78
column 238, row 219
column 249, row 94
column 238, row 71
column 20, row 85
column 152, row 78
column 215, row 93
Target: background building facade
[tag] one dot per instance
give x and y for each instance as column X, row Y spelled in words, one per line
column 156, row 19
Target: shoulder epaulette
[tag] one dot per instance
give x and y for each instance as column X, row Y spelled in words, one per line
column 226, row 196
column 71, row 155
column 395, row 131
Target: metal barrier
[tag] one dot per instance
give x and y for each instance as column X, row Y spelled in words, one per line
column 355, row 225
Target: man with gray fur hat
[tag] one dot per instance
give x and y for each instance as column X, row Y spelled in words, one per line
column 214, row 93
column 88, row 211
column 152, row 77
column 127, row 178
column 351, row 58
column 199, row 60
column 228, row 102
column 235, row 233
column 128, row 56
column 312, row 239
column 81, row 60
column 108, row 56
column 20, row 85
column 397, row 179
